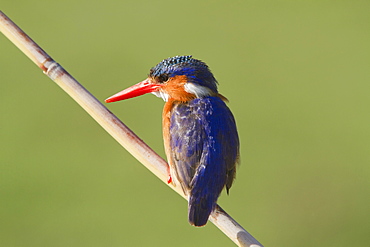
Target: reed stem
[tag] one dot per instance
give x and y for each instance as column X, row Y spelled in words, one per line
column 119, row 131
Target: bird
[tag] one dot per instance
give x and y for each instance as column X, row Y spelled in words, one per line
column 199, row 131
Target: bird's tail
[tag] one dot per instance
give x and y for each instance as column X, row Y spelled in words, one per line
column 200, row 207
column 206, row 186
column 199, row 211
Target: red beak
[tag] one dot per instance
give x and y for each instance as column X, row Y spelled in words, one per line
column 146, row 86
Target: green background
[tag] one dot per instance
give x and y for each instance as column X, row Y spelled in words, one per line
column 297, row 74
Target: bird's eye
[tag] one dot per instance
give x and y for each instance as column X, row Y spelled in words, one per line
column 163, row 78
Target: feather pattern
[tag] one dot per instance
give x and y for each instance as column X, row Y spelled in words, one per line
column 204, row 150
column 199, row 131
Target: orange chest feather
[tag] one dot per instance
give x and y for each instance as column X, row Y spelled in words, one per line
column 175, row 89
column 166, row 128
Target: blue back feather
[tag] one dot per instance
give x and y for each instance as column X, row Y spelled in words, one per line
column 205, row 150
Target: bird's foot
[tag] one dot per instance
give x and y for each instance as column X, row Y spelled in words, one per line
column 169, row 180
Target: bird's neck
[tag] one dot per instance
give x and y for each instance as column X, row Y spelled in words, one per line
column 175, row 89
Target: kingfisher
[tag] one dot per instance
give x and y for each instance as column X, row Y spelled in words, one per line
column 199, row 131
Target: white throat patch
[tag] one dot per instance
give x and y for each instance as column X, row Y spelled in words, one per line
column 161, row 94
column 198, row 90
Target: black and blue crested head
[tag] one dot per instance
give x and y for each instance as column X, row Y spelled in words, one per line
column 196, row 71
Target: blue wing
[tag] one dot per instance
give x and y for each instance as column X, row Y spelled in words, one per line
column 204, row 150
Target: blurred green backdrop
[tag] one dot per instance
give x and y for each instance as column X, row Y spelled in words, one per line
column 297, row 76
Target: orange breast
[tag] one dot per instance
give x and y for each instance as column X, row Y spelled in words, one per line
column 174, row 87
column 166, row 128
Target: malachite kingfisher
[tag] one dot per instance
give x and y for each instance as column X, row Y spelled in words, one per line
column 199, row 131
